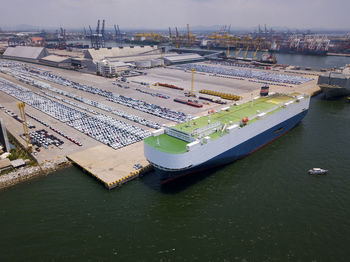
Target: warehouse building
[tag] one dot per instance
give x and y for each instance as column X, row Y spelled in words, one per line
column 142, row 57
column 57, row 61
column 182, row 58
column 115, row 52
column 25, row 53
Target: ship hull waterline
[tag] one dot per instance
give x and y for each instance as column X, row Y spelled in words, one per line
column 240, row 151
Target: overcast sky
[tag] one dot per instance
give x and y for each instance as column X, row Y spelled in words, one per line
column 333, row 14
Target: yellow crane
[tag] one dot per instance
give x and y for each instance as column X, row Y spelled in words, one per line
column 255, row 53
column 237, row 52
column 215, row 36
column 235, row 41
column 228, row 41
column 191, row 39
column 152, row 36
column 246, row 52
column 156, row 37
column 25, row 125
column 142, row 36
column 258, row 45
column 247, row 41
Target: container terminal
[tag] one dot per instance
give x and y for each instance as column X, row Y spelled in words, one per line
column 262, row 40
column 98, row 120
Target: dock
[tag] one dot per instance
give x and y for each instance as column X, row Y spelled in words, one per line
column 338, row 54
column 112, row 167
column 103, row 149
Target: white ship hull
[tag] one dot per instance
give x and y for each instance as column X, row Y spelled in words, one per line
column 238, row 143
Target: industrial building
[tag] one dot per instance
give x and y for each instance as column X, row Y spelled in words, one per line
column 110, row 61
column 79, row 62
column 57, row 61
column 25, row 53
column 115, row 52
column 141, row 57
column 114, row 59
column 182, row 58
column 112, row 68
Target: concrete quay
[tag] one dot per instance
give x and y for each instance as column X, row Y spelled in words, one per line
column 112, row 167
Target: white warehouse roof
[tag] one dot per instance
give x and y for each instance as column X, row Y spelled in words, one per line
column 26, row 52
column 179, row 58
column 102, row 53
column 56, row 58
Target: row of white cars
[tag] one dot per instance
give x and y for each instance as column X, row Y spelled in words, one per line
column 247, row 73
column 103, row 128
column 137, row 104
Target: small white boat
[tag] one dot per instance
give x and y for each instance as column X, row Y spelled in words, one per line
column 317, row 171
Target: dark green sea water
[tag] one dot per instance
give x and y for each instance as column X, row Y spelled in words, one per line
column 262, row 208
column 316, row 62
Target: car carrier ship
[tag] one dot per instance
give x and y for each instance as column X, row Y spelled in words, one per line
column 223, row 136
column 335, row 84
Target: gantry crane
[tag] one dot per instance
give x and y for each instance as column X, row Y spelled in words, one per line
column 177, row 38
column 152, row 36
column 237, row 52
column 170, row 37
column 247, row 40
column 190, row 37
column 257, row 43
column 118, row 36
column 25, row 125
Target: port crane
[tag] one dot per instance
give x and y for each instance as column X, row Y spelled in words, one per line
column 177, row 38
column 190, row 37
column 152, row 36
column 25, row 125
column 170, row 37
column 237, row 52
column 247, row 41
column 257, row 45
column 118, row 35
column 62, row 38
column 98, row 38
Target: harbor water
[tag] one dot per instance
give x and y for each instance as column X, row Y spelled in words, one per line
column 316, row 62
column 264, row 207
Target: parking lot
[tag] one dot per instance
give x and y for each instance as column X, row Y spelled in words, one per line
column 42, row 138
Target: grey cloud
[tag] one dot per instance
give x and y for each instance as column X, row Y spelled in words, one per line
column 164, row 13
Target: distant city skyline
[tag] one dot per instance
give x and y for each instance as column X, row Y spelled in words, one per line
column 158, row 14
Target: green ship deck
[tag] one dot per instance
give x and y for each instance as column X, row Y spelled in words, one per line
column 232, row 115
